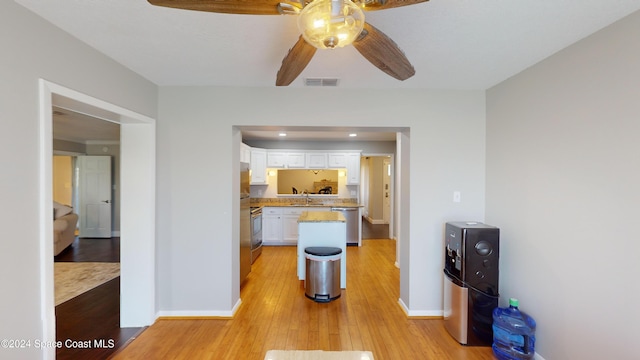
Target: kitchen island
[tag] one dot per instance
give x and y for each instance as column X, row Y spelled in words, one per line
column 322, row 228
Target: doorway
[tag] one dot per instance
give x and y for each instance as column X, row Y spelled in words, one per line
column 377, row 196
column 68, row 170
column 63, row 185
column 138, row 204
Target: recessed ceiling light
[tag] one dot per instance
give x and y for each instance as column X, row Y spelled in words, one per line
column 353, row 135
column 282, row 134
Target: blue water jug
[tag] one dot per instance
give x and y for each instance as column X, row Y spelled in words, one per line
column 513, row 333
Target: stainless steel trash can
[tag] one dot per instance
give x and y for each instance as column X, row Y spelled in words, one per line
column 322, row 278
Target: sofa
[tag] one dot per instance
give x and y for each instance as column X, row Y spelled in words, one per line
column 64, row 227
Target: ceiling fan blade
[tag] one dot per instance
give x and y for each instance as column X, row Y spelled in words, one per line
column 296, row 60
column 248, row 7
column 372, row 5
column 383, row 53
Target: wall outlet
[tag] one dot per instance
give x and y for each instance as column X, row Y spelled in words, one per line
column 456, row 196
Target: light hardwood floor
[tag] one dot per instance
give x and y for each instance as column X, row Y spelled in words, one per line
column 275, row 315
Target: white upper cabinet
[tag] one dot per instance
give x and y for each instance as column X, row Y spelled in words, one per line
column 353, row 169
column 276, row 159
column 337, row 160
column 316, row 160
column 288, row 159
column 245, row 153
column 258, row 166
column 285, row 159
column 296, row 160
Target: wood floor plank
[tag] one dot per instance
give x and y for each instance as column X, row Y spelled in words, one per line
column 76, row 319
column 91, row 250
column 275, row 315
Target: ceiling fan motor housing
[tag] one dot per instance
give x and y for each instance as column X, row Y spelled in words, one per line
column 327, row 24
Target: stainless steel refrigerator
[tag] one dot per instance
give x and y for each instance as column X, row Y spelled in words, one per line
column 245, row 221
column 472, row 253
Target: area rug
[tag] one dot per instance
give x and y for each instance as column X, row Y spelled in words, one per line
column 317, row 355
column 74, row 278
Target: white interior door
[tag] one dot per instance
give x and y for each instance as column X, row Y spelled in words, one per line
column 94, row 173
column 386, row 191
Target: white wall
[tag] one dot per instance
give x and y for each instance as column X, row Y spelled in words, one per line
column 195, row 218
column 563, row 169
column 196, row 176
column 33, row 49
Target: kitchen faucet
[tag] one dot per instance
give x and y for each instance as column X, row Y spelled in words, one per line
column 306, row 192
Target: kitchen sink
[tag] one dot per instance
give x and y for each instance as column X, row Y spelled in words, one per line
column 307, row 205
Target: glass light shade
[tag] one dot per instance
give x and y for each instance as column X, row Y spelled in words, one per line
column 327, row 24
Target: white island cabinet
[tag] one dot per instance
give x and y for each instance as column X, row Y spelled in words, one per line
column 280, row 223
column 326, row 228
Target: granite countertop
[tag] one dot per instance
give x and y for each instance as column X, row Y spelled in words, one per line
column 321, row 216
column 302, row 203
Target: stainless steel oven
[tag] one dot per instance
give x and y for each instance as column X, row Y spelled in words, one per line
column 256, row 233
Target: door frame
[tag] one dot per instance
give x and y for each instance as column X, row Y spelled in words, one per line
column 138, row 186
column 391, row 157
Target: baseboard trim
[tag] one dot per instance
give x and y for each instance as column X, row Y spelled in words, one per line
column 420, row 314
column 236, row 307
column 195, row 314
column 193, row 317
column 374, row 221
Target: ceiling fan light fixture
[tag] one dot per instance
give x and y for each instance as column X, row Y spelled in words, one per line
column 327, row 24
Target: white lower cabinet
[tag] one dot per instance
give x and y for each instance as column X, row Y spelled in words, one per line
column 280, row 224
column 271, row 226
column 290, row 225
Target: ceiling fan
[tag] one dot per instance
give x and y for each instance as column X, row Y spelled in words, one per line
column 324, row 24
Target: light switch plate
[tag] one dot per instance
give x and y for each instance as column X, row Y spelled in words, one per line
column 456, row 196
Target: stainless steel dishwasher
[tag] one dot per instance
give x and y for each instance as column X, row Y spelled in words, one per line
column 353, row 223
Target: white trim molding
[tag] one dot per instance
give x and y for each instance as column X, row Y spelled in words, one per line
column 200, row 313
column 138, row 221
column 420, row 313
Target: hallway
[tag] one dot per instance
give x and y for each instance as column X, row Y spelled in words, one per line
column 374, row 231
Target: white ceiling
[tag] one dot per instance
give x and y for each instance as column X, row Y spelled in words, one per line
column 453, row 44
column 306, row 133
